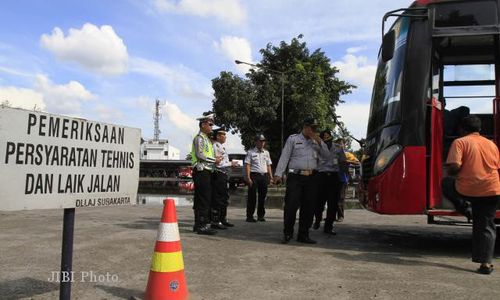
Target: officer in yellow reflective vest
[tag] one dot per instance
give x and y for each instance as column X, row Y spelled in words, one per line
column 203, row 160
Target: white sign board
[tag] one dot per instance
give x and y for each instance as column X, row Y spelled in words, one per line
column 51, row 161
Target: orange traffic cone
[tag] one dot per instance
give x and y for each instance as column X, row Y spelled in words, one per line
column 166, row 277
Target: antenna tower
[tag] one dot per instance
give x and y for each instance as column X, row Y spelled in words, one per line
column 156, row 118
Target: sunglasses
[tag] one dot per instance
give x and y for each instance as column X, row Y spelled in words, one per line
column 210, row 124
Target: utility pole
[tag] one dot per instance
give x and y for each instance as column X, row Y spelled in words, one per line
column 156, row 118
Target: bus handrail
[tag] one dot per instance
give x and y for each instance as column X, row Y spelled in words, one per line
column 393, row 13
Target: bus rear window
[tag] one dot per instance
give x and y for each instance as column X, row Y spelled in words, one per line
column 473, row 13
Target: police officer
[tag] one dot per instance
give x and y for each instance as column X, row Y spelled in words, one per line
column 203, row 160
column 329, row 182
column 300, row 155
column 220, row 190
column 258, row 176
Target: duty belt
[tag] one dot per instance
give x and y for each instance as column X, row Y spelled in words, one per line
column 329, row 173
column 220, row 171
column 202, row 166
column 300, row 172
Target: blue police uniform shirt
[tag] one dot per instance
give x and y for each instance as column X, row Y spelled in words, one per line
column 329, row 158
column 300, row 153
column 258, row 160
column 220, row 150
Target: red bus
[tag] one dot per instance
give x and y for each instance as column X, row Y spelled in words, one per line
column 440, row 60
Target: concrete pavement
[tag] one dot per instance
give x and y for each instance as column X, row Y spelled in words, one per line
column 372, row 257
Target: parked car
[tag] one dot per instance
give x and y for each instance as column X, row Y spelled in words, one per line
column 237, row 174
column 185, row 172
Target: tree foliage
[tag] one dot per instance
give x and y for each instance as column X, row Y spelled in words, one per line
column 252, row 104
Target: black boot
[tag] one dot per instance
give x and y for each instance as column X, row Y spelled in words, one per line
column 305, row 239
column 196, row 221
column 203, row 227
column 223, row 217
column 206, row 230
column 317, row 223
column 328, row 229
column 216, row 224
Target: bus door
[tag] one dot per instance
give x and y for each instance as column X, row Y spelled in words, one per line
column 466, row 68
column 434, row 144
column 463, row 90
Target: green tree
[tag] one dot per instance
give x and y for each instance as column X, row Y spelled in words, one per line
column 342, row 132
column 252, row 104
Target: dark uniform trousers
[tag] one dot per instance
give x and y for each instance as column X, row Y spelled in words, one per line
column 483, row 227
column 260, row 182
column 220, row 194
column 328, row 192
column 202, row 196
column 301, row 192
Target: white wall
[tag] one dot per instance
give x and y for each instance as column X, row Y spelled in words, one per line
column 156, row 151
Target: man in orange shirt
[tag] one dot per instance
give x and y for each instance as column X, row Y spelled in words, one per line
column 475, row 160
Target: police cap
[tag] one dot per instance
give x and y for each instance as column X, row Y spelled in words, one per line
column 220, row 130
column 260, row 137
column 312, row 122
column 206, row 118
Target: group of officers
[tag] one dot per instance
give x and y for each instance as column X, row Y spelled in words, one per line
column 311, row 163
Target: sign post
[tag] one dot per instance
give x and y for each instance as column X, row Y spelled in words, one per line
column 50, row 161
column 67, row 254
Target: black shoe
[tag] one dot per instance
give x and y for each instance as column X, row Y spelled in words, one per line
column 251, row 220
column 316, row 224
column 261, row 219
column 468, row 214
column 226, row 223
column 205, row 230
column 218, row 225
column 330, row 231
column 286, row 238
column 486, row 270
column 306, row 240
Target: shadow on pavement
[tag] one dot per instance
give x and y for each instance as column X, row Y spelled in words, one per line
column 25, row 288
column 388, row 244
column 121, row 292
column 393, row 258
column 143, row 223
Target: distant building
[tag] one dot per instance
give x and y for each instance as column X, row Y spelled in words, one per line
column 159, row 150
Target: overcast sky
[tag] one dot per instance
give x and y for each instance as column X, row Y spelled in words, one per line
column 109, row 60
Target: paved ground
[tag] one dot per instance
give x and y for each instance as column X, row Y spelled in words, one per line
column 373, row 257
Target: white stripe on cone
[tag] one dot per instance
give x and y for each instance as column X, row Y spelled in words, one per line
column 168, row 232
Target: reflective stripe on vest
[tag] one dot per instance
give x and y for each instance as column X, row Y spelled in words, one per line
column 208, row 149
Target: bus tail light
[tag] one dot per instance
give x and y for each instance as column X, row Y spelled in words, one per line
column 385, row 158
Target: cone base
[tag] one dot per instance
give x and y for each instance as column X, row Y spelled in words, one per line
column 162, row 285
